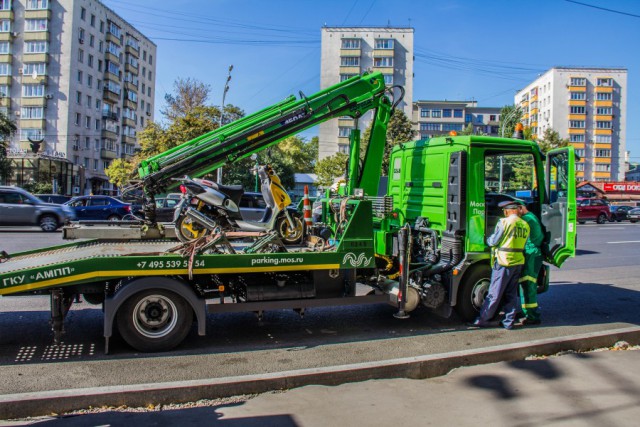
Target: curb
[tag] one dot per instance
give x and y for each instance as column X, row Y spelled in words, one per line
column 23, row 405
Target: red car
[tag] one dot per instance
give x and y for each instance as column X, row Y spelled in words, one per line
column 593, row 210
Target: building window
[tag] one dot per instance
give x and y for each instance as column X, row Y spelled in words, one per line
column 80, row 56
column 578, row 81
column 603, row 167
column 35, row 25
column 604, row 96
column 5, row 4
column 425, row 112
column 344, row 131
column 36, row 47
column 101, row 27
column 383, row 62
column 606, row 111
column 89, row 101
column 89, row 80
column 457, row 113
column 99, row 64
column 446, row 112
column 603, row 139
column 79, row 98
column 468, row 118
column 350, row 43
column 31, row 112
column 5, row 69
column 93, row 20
column 32, row 91
column 95, row 164
column 114, row 29
column 87, row 122
column 79, row 76
column 436, row 114
column 4, row 91
column 579, row 96
column 149, row 76
column 580, row 167
column 35, row 68
column 384, row 44
column 604, row 82
column 144, row 55
column 349, row 61
column 31, row 133
column 576, row 138
column 132, row 96
column 149, row 89
column 113, row 87
column 133, row 43
column 480, row 118
column 579, row 152
column 430, row 126
column 603, row 124
column 150, row 59
column 98, row 104
column 113, row 49
column 452, row 126
column 97, row 124
column 492, row 117
column 576, row 124
column 603, row 153
column 5, row 26
column 90, row 61
column 37, row 4
column 83, row 13
column 5, row 48
column 577, row 110
column 113, row 68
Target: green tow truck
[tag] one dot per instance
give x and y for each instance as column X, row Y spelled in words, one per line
column 420, row 244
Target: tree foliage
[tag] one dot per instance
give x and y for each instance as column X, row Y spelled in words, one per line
column 7, row 127
column 398, row 131
column 189, row 95
column 551, row 140
column 510, row 115
column 330, row 168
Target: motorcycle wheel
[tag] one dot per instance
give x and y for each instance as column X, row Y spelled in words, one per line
column 288, row 236
column 188, row 230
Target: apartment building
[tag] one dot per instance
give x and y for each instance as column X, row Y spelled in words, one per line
column 587, row 106
column 350, row 51
column 434, row 118
column 79, row 82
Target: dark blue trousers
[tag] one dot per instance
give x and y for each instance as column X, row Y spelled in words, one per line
column 504, row 287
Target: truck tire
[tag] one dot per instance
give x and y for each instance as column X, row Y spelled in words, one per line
column 154, row 320
column 290, row 237
column 602, row 218
column 472, row 292
column 48, row 222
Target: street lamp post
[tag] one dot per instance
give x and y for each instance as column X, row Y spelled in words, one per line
column 224, row 94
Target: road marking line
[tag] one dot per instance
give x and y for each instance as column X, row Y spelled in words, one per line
column 625, row 241
column 611, row 228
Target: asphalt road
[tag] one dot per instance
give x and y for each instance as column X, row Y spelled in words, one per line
column 598, row 290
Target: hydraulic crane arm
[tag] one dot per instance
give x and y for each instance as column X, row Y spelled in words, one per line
column 258, row 131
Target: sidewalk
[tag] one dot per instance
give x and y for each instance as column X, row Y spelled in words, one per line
column 597, row 388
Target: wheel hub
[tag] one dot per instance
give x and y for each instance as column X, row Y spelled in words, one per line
column 155, row 316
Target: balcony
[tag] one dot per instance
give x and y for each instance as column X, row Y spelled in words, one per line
column 35, row 57
column 128, row 139
column 108, row 154
column 33, row 102
column 33, row 123
column 383, row 53
column 37, row 14
column 110, row 115
column 604, row 132
column 604, row 89
column 108, row 133
column 111, row 57
column 6, row 37
column 5, row 101
column 40, row 78
column 132, row 105
column 132, row 51
column 35, row 36
column 608, row 103
column 112, row 38
column 130, row 68
column 111, row 96
column 6, row 15
column 129, row 122
column 130, row 86
column 349, row 70
column 6, row 57
column 351, row 52
column 347, row 122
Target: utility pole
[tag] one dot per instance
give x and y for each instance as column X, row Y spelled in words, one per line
column 224, row 94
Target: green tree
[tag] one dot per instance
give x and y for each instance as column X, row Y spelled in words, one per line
column 119, row 172
column 7, row 127
column 399, row 130
column 330, row 168
column 299, row 154
column 510, row 115
column 551, row 140
column 189, row 95
column 468, row 130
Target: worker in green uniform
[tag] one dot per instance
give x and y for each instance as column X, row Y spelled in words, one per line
column 532, row 264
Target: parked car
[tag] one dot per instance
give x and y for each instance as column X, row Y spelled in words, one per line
column 92, row 208
column 164, row 208
column 593, row 209
column 634, row 215
column 58, row 199
column 619, row 213
column 19, row 207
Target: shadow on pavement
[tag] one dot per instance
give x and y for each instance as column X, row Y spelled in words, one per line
column 178, row 417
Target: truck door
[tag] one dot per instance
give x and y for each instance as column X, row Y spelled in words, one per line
column 559, row 209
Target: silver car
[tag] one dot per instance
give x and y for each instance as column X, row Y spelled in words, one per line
column 19, row 207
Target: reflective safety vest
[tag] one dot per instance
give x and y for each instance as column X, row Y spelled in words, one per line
column 510, row 249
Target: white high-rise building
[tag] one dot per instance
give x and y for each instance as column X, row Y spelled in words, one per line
column 350, row 51
column 588, row 107
column 79, row 80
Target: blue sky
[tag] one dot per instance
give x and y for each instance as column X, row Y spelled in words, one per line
column 464, row 49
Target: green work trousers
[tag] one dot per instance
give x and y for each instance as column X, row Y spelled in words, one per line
column 529, row 286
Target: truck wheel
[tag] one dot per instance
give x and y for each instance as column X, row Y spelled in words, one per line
column 472, row 292
column 602, row 218
column 188, row 230
column 154, row 320
column 288, row 236
column 48, row 223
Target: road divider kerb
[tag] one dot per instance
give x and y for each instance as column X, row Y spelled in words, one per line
column 418, row 367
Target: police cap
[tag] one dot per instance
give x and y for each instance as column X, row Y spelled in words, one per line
column 510, row 204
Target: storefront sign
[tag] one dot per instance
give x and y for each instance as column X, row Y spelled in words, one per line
column 622, row 187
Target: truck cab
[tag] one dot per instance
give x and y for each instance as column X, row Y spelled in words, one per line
column 451, row 187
